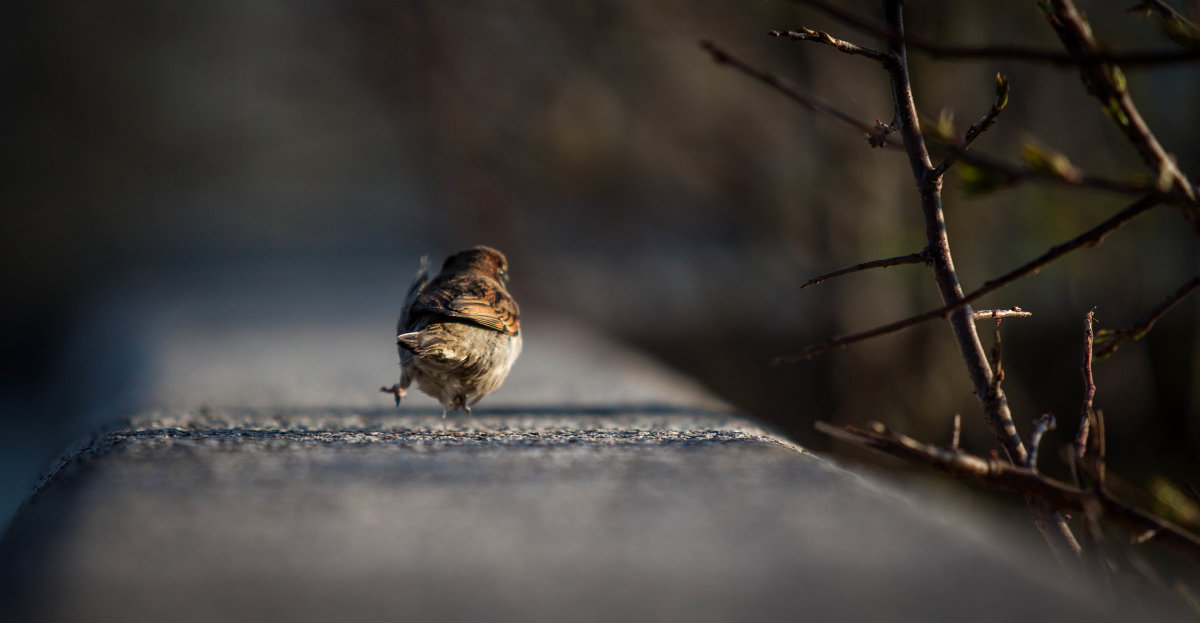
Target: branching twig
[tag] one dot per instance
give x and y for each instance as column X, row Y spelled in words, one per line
column 1112, row 340
column 1015, row 312
column 877, row 134
column 920, row 257
column 724, row 57
column 977, row 129
column 1020, row 479
column 1005, row 52
column 820, row 36
column 929, row 187
column 1089, row 238
column 1106, row 83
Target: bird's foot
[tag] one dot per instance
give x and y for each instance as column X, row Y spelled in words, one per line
column 396, row 391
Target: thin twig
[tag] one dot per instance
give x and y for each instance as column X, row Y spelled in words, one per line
column 1015, row 312
column 877, row 134
column 1090, row 447
column 979, row 128
column 997, row 360
column 1020, row 479
column 820, row 36
column 1089, row 382
column 1078, row 450
column 1040, row 427
column 920, row 257
column 722, row 56
column 1014, row 175
column 1106, row 83
column 1089, row 238
column 1006, row 52
column 1112, row 340
column 956, row 432
column 1164, row 11
column 1094, row 463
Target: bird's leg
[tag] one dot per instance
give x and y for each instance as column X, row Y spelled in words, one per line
column 468, row 410
column 396, row 391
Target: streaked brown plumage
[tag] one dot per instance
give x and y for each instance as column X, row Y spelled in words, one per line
column 459, row 332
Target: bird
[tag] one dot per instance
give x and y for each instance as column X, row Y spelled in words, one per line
column 459, row 332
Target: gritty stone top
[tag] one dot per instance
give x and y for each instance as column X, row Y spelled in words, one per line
column 247, row 469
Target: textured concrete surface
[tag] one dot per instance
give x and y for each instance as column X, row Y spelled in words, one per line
column 258, row 476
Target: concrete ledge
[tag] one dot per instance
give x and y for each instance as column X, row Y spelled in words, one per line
column 279, row 516
column 595, row 486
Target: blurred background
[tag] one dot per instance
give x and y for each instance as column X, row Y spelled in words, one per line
column 634, row 184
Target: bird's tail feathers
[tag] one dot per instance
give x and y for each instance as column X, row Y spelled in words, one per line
column 428, row 344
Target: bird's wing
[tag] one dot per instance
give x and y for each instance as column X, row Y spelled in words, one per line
column 483, row 302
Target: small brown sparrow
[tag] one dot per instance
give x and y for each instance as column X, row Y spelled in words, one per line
column 460, row 332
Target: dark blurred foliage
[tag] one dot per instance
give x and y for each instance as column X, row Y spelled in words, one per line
column 634, row 184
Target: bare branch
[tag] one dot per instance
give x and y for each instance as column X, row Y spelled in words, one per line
column 997, row 361
column 877, row 134
column 1089, row 238
column 724, row 57
column 1112, row 340
column 929, row 187
column 1015, row 312
column 1089, row 382
column 1089, row 444
column 820, row 36
column 979, row 128
column 1040, row 427
column 1079, row 450
column 1106, row 83
column 919, row 257
column 1013, row 53
column 1163, row 11
column 1014, row 175
column 1020, row 479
